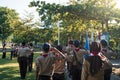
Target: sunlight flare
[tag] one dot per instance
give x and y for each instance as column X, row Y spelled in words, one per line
column 118, row 4
column 9, row 65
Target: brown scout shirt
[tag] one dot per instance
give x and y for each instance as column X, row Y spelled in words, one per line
column 23, row 52
column 68, row 50
column 79, row 55
column 86, row 75
column 44, row 64
column 60, row 66
column 107, row 53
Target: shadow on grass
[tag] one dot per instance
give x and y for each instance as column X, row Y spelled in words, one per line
column 12, row 73
column 14, row 60
column 6, row 61
column 9, row 69
column 9, row 73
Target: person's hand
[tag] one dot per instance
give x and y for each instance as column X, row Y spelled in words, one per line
column 102, row 56
column 72, row 46
column 53, row 49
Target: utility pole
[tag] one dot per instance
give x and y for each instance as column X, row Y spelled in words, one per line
column 58, row 24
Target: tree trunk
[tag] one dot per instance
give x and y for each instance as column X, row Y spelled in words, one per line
column 102, row 25
column 3, row 43
column 106, row 22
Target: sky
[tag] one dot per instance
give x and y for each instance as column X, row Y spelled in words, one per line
column 21, row 6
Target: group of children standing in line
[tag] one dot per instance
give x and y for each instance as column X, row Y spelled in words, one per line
column 24, row 55
column 25, row 59
column 81, row 64
column 93, row 65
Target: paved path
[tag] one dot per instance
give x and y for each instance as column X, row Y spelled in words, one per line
column 114, row 77
column 116, row 63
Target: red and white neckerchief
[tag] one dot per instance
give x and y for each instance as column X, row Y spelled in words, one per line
column 77, row 49
column 94, row 53
column 103, row 51
column 45, row 55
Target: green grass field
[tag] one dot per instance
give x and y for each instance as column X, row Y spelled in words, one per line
column 9, row 69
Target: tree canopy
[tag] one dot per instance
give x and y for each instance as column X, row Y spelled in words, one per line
column 78, row 16
column 8, row 19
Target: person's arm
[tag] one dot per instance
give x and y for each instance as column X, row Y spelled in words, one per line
column 37, row 69
column 36, row 75
column 110, row 48
column 85, row 70
column 105, row 59
column 18, row 53
column 83, row 51
column 58, row 52
column 111, row 52
column 69, row 58
column 67, row 50
column 102, row 56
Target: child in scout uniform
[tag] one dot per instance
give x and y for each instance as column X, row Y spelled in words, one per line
column 30, row 57
column 93, row 66
column 4, row 53
column 78, row 54
column 107, row 53
column 68, row 50
column 69, row 47
column 59, row 71
column 12, row 51
column 22, row 56
column 44, row 64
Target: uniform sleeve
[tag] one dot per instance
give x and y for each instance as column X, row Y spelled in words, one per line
column 32, row 50
column 28, row 50
column 68, row 50
column 37, row 66
column 69, row 58
column 111, row 53
column 57, row 58
column 83, row 51
column 18, row 53
column 85, row 70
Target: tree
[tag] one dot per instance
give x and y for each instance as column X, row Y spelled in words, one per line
column 8, row 19
column 78, row 16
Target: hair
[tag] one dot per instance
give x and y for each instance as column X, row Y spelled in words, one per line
column 95, row 64
column 23, row 44
column 76, row 43
column 46, row 47
column 103, row 43
column 59, row 48
column 95, row 47
column 95, row 61
column 31, row 44
column 70, row 42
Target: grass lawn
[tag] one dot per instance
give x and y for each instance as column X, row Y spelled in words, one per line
column 9, row 69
